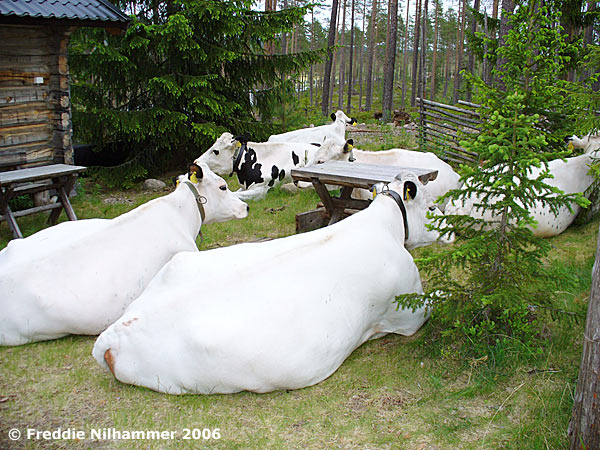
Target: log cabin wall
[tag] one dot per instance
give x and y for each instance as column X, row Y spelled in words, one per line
column 35, row 106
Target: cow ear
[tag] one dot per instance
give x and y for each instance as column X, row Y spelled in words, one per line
column 175, row 181
column 242, row 138
column 194, row 172
column 333, row 117
column 348, row 146
column 410, row 190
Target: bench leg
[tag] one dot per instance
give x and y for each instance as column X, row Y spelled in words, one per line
column 12, row 223
column 338, row 213
column 54, row 215
column 64, row 198
column 5, row 196
column 63, row 193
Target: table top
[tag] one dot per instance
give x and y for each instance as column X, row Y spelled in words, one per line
column 38, row 173
column 357, row 174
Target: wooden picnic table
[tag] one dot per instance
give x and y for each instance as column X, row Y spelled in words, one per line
column 60, row 177
column 349, row 176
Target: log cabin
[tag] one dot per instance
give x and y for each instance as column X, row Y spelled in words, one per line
column 35, row 103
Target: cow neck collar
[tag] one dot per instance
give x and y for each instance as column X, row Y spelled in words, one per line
column 199, row 199
column 237, row 157
column 398, row 199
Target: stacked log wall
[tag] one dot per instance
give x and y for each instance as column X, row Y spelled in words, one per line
column 35, row 118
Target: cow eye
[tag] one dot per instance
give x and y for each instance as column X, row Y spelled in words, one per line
column 432, row 208
column 216, row 152
column 223, row 188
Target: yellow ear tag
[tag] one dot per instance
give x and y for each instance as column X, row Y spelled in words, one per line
column 570, row 147
column 238, row 144
column 193, row 178
column 177, row 183
column 374, row 192
column 350, row 147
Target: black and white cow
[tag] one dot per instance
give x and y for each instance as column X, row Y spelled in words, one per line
column 261, row 165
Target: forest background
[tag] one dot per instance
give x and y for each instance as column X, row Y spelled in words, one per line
column 186, row 71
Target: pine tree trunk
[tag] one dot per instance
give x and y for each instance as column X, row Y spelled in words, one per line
column 284, row 43
column 471, row 60
column 423, row 65
column 312, row 47
column 388, row 76
column 584, row 429
column 387, row 41
column 435, row 44
column 486, row 63
column 361, row 58
column 328, row 63
column 508, row 6
column 415, row 55
column 446, row 73
column 342, row 62
column 405, row 57
column 351, row 62
column 459, row 52
column 370, row 56
column 588, row 33
column 588, row 39
column 270, row 5
column 336, row 58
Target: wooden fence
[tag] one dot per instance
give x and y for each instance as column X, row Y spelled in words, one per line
column 441, row 126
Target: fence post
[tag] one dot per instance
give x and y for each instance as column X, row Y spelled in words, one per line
column 584, row 429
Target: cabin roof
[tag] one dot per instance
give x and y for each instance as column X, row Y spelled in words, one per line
column 76, row 12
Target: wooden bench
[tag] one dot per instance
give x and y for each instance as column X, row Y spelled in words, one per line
column 60, row 177
column 349, row 176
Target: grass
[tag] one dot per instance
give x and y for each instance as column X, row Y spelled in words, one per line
column 409, row 393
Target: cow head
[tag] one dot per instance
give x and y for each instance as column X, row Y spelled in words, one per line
column 333, row 150
column 589, row 143
column 218, row 201
column 219, row 157
column 339, row 115
column 420, row 208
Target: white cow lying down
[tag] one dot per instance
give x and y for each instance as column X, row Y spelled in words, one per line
column 259, row 166
column 335, row 130
column 263, row 316
column 78, row 277
column 570, row 176
column 446, row 179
